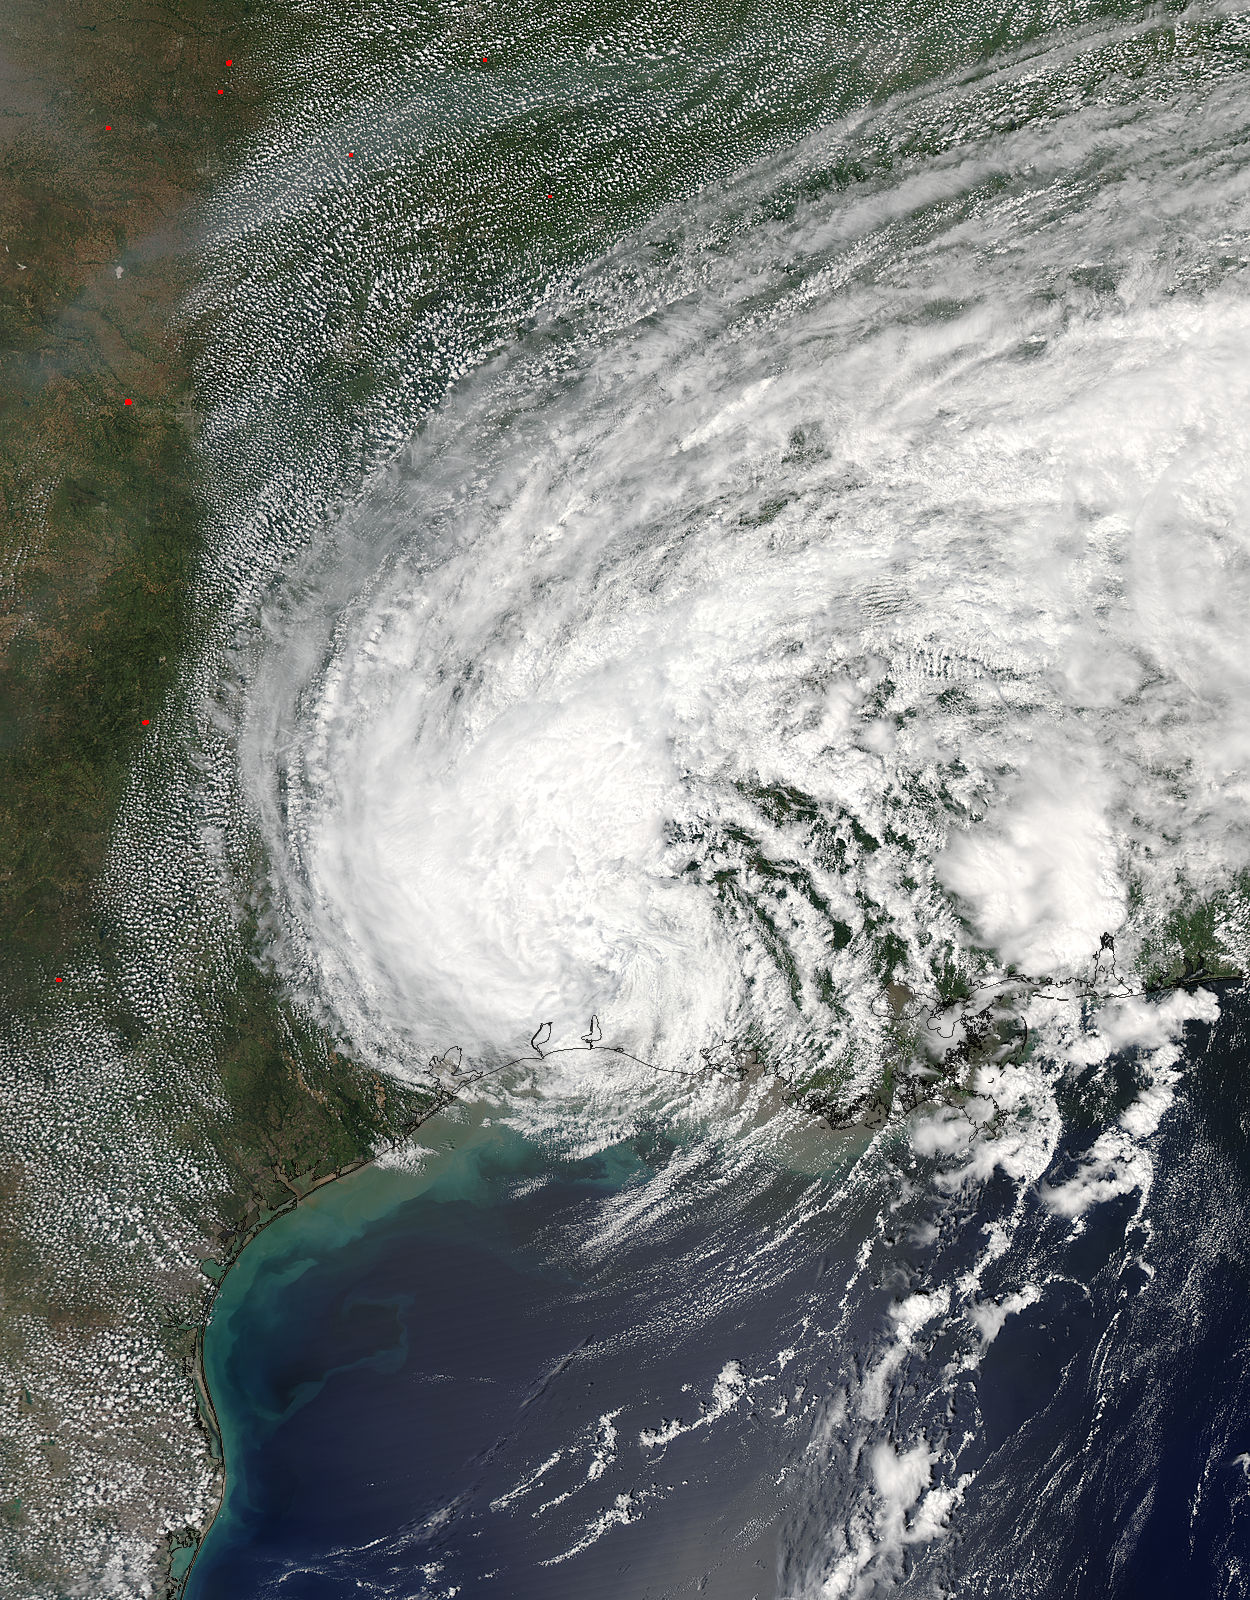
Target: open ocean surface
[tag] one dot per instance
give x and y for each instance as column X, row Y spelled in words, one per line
column 474, row 1381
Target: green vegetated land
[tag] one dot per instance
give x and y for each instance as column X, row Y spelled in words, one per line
column 100, row 500
column 298, row 1109
column 112, row 129
column 100, row 516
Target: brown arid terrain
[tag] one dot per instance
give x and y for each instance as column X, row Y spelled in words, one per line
column 112, row 125
column 114, row 122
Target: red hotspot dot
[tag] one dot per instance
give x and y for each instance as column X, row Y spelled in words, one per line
column 146, row 721
column 108, row 128
column 128, row 402
column 351, row 152
column 229, row 61
column 60, row 980
column 221, row 91
column 483, row 60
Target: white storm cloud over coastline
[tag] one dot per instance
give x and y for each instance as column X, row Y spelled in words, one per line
column 826, row 583
column 843, row 568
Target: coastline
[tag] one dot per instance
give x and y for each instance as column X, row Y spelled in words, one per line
column 175, row 1582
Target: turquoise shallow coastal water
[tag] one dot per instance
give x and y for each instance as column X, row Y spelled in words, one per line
column 250, row 1305
column 644, row 1371
column 497, row 1369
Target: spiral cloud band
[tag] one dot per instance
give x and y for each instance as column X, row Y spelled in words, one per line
column 837, row 580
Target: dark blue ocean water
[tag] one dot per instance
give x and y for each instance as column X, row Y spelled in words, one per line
column 459, row 1382
column 382, row 1390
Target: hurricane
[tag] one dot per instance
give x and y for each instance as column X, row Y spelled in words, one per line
column 835, row 581
column 730, row 563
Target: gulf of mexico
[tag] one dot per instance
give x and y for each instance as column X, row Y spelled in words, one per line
column 681, row 1366
column 472, row 1378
